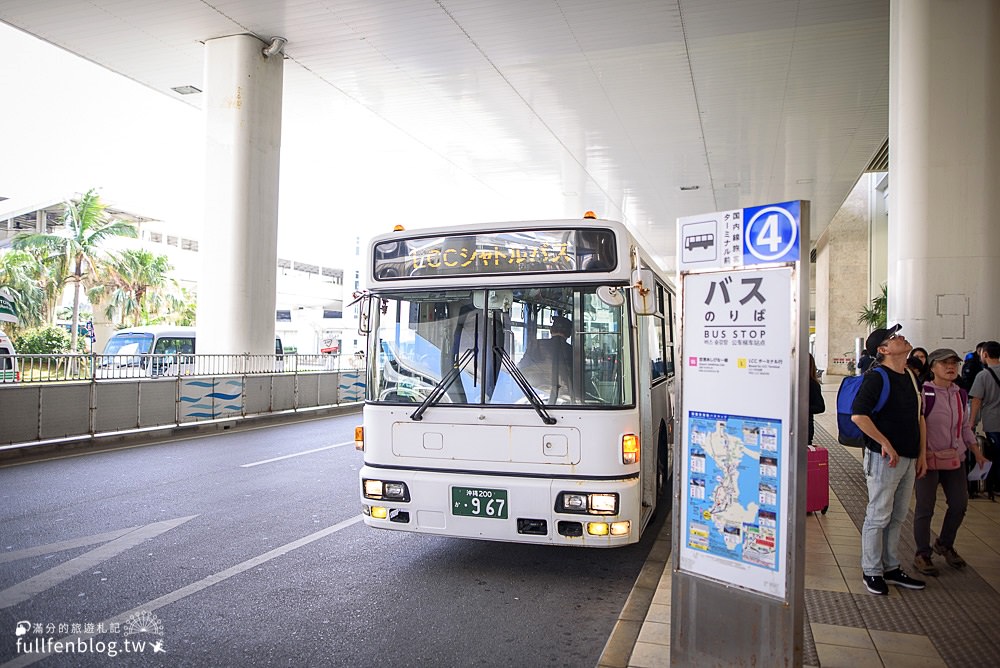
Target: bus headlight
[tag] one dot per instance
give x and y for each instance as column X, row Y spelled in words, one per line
column 385, row 489
column 373, row 489
column 394, row 490
column 604, row 503
column 587, row 503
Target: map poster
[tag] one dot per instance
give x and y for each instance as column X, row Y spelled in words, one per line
column 732, row 509
column 736, row 421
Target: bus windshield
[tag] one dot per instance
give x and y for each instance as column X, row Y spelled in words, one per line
column 563, row 344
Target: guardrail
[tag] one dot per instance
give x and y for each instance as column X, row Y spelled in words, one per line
column 85, row 367
column 71, row 397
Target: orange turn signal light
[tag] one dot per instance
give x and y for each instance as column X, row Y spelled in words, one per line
column 630, row 449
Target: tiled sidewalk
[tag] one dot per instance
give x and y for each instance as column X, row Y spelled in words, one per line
column 955, row 622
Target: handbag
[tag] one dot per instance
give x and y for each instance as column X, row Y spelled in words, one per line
column 943, row 460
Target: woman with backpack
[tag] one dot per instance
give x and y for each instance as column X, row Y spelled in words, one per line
column 949, row 434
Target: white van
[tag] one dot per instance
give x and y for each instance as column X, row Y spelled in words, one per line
column 151, row 352
column 9, row 372
column 146, row 352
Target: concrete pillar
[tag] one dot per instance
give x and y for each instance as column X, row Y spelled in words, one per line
column 104, row 328
column 944, row 252
column 236, row 293
column 843, row 279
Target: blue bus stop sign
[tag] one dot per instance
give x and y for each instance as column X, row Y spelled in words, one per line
column 771, row 233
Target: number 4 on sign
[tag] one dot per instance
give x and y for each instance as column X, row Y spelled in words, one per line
column 769, row 234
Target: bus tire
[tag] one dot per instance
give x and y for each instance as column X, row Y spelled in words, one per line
column 664, row 471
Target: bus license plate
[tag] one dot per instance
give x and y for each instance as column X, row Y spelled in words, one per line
column 478, row 502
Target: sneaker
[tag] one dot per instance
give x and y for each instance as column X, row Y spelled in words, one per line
column 949, row 554
column 901, row 579
column 876, row 585
column 923, row 564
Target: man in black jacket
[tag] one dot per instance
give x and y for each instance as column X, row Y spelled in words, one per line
column 894, row 457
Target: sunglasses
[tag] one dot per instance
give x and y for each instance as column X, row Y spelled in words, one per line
column 891, row 337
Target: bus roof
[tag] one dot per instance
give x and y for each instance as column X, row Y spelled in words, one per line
column 579, row 250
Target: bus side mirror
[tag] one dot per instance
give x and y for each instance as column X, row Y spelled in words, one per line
column 643, row 297
column 365, row 315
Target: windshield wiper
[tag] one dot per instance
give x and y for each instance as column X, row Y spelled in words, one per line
column 523, row 384
column 443, row 384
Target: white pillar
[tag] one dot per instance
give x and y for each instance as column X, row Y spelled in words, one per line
column 944, row 190
column 236, row 293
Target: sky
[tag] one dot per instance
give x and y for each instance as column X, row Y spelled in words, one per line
column 67, row 125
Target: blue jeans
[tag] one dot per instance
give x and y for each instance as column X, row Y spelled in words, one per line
column 889, row 490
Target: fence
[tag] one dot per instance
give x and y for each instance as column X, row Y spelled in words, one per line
column 77, row 396
column 63, row 368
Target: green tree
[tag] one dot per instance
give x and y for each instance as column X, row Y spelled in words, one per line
column 874, row 315
column 20, row 274
column 76, row 250
column 186, row 310
column 42, row 341
column 136, row 287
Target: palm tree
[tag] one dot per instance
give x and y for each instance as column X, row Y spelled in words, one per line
column 136, row 286
column 75, row 251
column 20, row 275
column 874, row 316
column 45, row 275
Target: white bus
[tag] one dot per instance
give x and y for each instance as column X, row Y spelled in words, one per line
column 470, row 430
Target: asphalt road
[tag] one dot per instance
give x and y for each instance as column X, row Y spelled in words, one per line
column 246, row 549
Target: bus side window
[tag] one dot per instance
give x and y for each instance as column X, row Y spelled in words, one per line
column 658, row 338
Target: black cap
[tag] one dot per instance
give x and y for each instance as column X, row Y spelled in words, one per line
column 876, row 338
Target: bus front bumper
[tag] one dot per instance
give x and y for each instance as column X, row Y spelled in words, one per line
column 503, row 508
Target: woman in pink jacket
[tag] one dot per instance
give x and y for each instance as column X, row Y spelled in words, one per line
column 949, row 433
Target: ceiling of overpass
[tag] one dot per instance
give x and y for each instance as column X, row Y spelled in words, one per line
column 641, row 110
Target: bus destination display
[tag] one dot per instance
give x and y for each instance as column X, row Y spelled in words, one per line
column 499, row 253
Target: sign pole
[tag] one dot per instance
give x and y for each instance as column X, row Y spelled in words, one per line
column 739, row 520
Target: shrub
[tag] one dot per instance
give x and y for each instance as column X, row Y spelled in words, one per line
column 42, row 341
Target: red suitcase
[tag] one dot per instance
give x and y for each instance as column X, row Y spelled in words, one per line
column 817, row 480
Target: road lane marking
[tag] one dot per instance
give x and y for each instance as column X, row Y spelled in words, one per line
column 193, row 588
column 52, row 548
column 297, row 454
column 24, row 590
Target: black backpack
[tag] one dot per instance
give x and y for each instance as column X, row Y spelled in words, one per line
column 970, row 369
